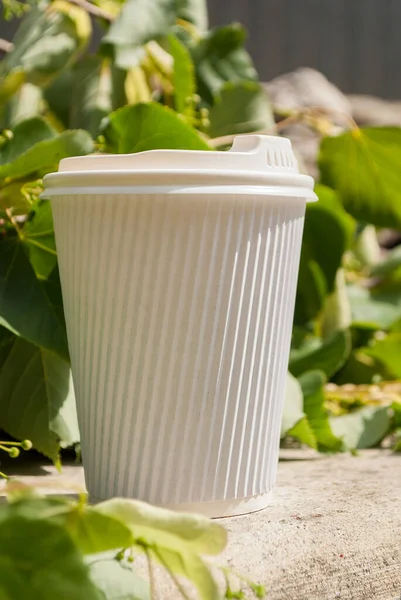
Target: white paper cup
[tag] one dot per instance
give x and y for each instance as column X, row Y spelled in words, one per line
column 179, row 273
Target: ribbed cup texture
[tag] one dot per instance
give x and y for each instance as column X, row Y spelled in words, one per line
column 179, row 313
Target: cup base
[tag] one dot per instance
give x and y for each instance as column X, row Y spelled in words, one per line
column 220, row 508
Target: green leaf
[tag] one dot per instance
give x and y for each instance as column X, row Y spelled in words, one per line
column 94, row 93
column 35, row 147
column 91, row 531
column 26, row 103
column 362, row 429
column 38, row 560
column 37, row 398
column 12, row 197
column 240, row 107
column 118, row 580
column 24, row 306
column 38, row 238
column 326, row 226
column 363, row 166
column 220, row 57
column 387, row 351
column 48, row 39
column 312, row 384
column 190, row 566
column 183, row 77
column 293, row 405
column 390, row 264
column 328, row 357
column 195, row 12
column 159, row 526
column 360, row 369
column 303, row 432
column 372, row 310
column 58, row 97
column 149, row 127
column 139, row 22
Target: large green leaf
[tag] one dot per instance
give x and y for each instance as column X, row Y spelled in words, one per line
column 25, row 308
column 37, row 398
column 293, row 405
column 35, row 147
column 312, row 384
column 328, row 357
column 26, row 103
column 98, row 88
column 118, row 580
column 240, row 107
column 139, row 22
column 161, row 527
column 220, row 57
column 363, row 166
column 326, row 226
column 372, row 310
column 388, row 352
column 38, row 238
column 183, row 77
column 58, row 97
column 38, row 560
column 149, row 127
column 92, row 90
column 91, row 531
column 362, row 429
column 48, row 39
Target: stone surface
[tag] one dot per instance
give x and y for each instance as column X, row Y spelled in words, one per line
column 306, row 87
column 371, row 111
column 332, row 531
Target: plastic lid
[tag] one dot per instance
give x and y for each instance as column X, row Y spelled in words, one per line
column 253, row 160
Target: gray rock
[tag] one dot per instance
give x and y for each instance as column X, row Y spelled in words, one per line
column 368, row 110
column 306, row 87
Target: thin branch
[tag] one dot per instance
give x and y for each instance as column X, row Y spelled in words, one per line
column 305, row 116
column 151, row 574
column 94, row 10
column 5, row 46
column 228, row 139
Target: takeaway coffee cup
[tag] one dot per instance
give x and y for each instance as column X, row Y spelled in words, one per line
column 178, row 272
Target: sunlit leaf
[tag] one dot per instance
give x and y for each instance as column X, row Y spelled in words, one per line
column 329, row 356
column 240, row 107
column 36, row 147
column 312, row 384
column 362, row 165
column 148, row 127
column 39, row 560
column 158, row 524
column 362, row 429
column 183, row 77
column 37, row 398
column 293, row 405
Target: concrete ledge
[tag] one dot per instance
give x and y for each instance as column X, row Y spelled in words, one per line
column 333, row 529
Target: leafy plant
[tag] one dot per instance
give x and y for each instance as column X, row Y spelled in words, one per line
column 51, row 545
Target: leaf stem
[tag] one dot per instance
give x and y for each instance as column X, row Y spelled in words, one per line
column 151, row 573
column 6, row 46
column 14, row 223
column 94, row 10
column 176, row 581
column 306, row 115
